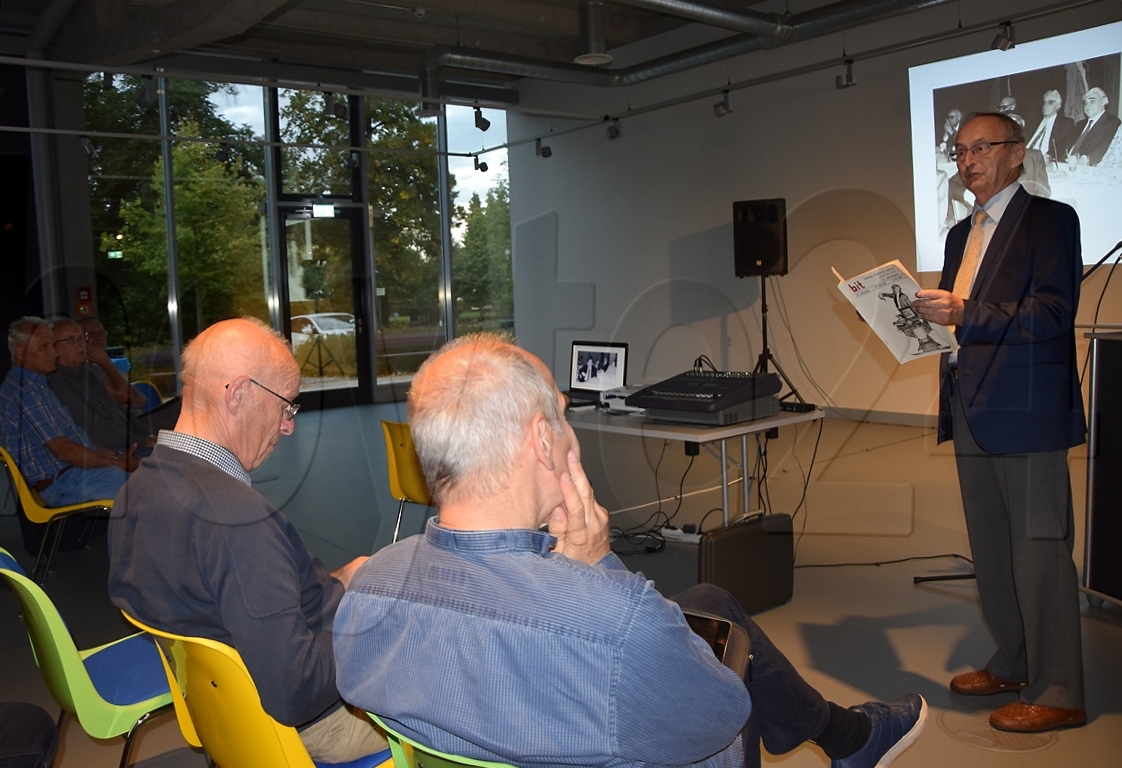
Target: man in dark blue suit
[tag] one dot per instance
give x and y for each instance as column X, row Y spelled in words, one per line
column 1010, row 398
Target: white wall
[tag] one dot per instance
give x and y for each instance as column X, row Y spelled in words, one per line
column 631, row 239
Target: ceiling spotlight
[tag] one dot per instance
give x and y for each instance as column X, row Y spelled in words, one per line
column 481, row 167
column 1005, row 39
column 481, row 122
column 540, row 150
column 846, row 79
column 724, row 106
column 613, row 129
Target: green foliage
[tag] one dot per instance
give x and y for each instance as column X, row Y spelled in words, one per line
column 126, row 174
column 481, row 267
column 217, row 230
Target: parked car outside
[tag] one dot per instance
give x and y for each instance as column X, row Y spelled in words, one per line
column 306, row 327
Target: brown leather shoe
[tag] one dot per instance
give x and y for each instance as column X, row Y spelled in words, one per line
column 982, row 683
column 1033, row 718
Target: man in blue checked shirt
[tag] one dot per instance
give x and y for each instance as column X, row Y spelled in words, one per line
column 54, row 454
column 490, row 638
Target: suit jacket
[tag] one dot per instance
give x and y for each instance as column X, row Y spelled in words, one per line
column 1063, row 136
column 1095, row 143
column 1016, row 364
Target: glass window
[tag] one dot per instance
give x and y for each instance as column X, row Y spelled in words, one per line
column 482, row 282
column 221, row 233
column 319, row 123
column 403, row 191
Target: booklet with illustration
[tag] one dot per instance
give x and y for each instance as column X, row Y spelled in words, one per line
column 883, row 297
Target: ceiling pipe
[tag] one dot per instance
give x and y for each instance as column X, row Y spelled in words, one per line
column 804, row 26
column 747, row 21
column 594, row 49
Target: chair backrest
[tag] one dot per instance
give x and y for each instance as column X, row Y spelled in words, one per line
column 55, row 652
column 407, row 481
column 64, row 669
column 409, row 754
column 151, row 393
column 219, row 708
column 27, row 496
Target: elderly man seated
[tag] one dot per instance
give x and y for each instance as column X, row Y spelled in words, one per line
column 55, row 455
column 195, row 550
column 489, row 638
column 89, row 401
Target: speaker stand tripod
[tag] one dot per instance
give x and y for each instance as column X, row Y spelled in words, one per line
column 767, row 358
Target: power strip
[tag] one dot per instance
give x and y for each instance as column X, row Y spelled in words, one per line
column 673, row 534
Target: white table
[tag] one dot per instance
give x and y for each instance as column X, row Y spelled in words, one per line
column 640, row 426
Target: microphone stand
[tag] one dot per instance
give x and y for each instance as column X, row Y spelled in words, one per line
column 1101, row 261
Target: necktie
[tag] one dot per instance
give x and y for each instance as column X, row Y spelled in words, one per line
column 1079, row 142
column 965, row 277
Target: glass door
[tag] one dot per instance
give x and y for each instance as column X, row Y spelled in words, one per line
column 325, row 304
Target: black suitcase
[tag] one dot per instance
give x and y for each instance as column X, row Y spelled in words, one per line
column 753, row 559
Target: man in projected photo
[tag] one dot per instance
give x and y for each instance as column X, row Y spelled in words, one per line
column 1011, row 401
column 1093, row 134
column 1056, row 131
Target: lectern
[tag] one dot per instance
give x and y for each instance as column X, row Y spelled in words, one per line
column 1102, row 568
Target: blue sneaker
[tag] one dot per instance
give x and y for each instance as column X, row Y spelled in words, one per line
column 895, row 726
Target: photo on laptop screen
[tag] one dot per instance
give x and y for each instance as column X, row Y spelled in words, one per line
column 595, row 366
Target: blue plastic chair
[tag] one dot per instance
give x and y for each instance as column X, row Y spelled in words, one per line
column 152, row 397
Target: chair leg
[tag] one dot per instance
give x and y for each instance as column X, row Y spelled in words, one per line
column 397, row 526
column 42, row 547
column 127, row 751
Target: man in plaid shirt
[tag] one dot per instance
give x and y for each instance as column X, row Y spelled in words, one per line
column 54, row 454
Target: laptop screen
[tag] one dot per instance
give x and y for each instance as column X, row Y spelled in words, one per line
column 595, row 366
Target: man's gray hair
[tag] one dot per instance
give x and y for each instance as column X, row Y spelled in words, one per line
column 468, row 414
column 21, row 331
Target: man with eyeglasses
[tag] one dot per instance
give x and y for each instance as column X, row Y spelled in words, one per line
column 90, row 403
column 54, row 454
column 195, row 550
column 100, row 365
column 1011, row 401
column 1055, row 133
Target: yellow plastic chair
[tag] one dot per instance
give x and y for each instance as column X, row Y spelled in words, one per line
column 112, row 690
column 38, row 512
column 219, row 709
column 407, row 481
column 409, row 754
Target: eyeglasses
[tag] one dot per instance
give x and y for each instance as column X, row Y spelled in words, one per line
column 81, row 339
column 291, row 408
column 981, row 149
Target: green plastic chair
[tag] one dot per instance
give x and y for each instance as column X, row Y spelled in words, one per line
column 219, row 709
column 112, row 690
column 38, row 512
column 409, row 754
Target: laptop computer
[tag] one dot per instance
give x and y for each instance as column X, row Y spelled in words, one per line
column 595, row 366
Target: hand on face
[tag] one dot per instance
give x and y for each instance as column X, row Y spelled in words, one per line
column 579, row 523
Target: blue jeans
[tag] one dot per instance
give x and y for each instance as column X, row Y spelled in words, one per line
column 77, row 485
column 786, row 710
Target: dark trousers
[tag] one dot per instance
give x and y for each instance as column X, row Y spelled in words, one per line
column 28, row 736
column 1021, row 525
column 786, row 710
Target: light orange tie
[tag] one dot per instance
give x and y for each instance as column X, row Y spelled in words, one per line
column 965, row 277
